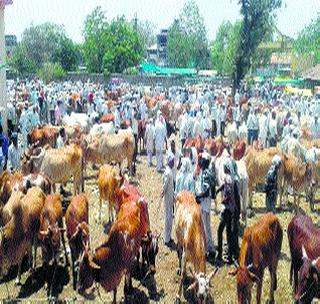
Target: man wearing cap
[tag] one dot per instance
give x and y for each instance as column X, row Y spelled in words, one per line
column 14, row 154
column 203, row 197
column 177, row 156
column 168, row 199
column 271, row 184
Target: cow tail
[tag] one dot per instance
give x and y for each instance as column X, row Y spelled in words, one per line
column 81, row 172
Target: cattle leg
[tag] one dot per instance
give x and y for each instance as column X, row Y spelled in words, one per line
column 259, row 288
column 115, row 296
column 273, row 282
column 18, row 279
column 183, row 272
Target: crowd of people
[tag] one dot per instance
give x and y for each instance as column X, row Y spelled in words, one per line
column 262, row 113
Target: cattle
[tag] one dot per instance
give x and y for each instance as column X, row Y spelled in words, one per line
column 81, row 120
column 21, row 220
column 77, row 223
column 45, row 135
column 141, row 133
column 260, row 249
column 191, row 245
column 51, row 225
column 16, row 181
column 105, row 149
column 109, row 183
column 258, row 163
column 239, row 149
column 103, row 128
column 59, row 165
column 149, row 242
column 115, row 256
column 297, row 175
column 304, row 244
column 7, row 183
column 106, row 118
column 198, row 143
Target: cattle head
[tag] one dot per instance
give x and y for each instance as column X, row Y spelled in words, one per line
column 309, row 279
column 201, row 285
column 87, row 270
column 245, row 280
column 50, row 239
column 150, row 248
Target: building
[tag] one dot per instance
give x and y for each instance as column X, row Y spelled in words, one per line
column 157, row 53
column 11, row 43
column 162, row 45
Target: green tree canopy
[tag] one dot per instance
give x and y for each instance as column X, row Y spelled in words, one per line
column 187, row 41
column 224, row 47
column 258, row 16
column 41, row 44
column 308, row 41
column 125, row 48
column 95, row 40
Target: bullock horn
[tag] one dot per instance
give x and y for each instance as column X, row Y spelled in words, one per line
column 315, row 263
column 304, row 253
column 192, row 286
column 44, row 233
column 192, row 273
column 212, row 274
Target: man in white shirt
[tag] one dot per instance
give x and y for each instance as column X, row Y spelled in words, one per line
column 253, row 126
column 160, row 137
column 315, row 128
column 134, row 126
column 263, row 129
column 149, row 139
column 14, row 154
column 61, row 139
column 273, row 132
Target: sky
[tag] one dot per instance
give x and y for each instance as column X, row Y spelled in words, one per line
column 292, row 17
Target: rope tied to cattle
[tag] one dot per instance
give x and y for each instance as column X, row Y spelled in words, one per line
column 307, row 291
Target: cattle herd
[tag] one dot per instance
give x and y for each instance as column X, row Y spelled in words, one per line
column 127, row 244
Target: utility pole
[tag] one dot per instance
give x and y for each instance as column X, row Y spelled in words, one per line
column 3, row 78
column 135, row 22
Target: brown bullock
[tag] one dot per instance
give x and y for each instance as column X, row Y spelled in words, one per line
column 260, row 248
column 191, row 245
column 19, row 235
column 77, row 222
column 115, row 256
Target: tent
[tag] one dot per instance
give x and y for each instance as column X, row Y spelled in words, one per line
column 151, row 68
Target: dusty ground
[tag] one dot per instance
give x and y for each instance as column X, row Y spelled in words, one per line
column 163, row 287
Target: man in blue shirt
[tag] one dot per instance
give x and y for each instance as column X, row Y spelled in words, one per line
column 5, row 144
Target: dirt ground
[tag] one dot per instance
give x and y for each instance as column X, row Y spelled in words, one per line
column 164, row 285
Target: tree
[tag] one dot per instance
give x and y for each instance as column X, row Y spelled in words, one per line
column 51, row 72
column 95, row 40
column 258, row 16
column 308, row 41
column 224, row 47
column 125, row 47
column 20, row 62
column 41, row 44
column 187, row 41
column 146, row 31
column 67, row 55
